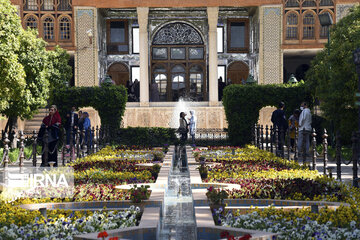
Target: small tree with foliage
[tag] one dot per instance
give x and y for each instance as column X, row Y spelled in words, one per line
column 333, row 78
column 12, row 82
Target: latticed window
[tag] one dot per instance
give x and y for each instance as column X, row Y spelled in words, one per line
column 292, row 26
column 65, row 28
column 308, row 26
column 160, row 77
column 48, row 28
column 326, row 3
column 31, row 5
column 309, row 3
column 64, row 5
column 31, row 22
column 48, row 5
column 292, row 3
column 196, row 79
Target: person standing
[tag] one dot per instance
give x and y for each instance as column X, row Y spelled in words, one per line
column 304, row 128
column 183, row 128
column 71, row 124
column 192, row 126
column 293, row 124
column 154, row 92
column 279, row 120
column 51, row 123
column 136, row 87
column 87, row 128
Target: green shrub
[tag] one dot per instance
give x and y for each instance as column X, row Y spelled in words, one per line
column 243, row 102
column 146, row 136
column 108, row 100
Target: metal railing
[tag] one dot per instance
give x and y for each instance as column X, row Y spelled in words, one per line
column 80, row 145
column 273, row 139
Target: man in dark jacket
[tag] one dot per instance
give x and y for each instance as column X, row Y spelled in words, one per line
column 279, row 120
column 72, row 120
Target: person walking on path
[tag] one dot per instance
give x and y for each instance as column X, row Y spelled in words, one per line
column 51, row 123
column 304, row 128
column 192, row 126
column 279, row 120
column 293, row 124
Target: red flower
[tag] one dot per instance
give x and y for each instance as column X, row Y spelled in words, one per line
column 245, row 237
column 114, row 238
column 103, row 234
column 224, row 234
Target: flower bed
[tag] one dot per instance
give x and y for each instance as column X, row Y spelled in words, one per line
column 296, row 224
column 16, row 223
column 262, row 175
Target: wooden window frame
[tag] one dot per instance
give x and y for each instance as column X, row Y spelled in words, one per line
column 315, row 25
column 56, row 15
column 247, row 37
column 187, row 63
column 26, row 19
column 126, row 30
column 297, row 26
column 59, row 30
column 318, row 40
column 54, row 30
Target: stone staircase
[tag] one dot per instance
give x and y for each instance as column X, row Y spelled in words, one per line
column 35, row 122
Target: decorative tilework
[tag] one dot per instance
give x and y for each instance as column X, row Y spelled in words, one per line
column 271, row 45
column 269, row 10
column 81, row 12
column 342, row 10
column 85, row 56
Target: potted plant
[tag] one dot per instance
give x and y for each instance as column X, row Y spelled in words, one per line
column 196, row 155
column 155, row 169
column 158, row 156
column 137, row 194
column 203, row 171
column 216, row 197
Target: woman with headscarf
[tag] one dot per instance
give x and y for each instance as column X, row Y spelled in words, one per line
column 51, row 123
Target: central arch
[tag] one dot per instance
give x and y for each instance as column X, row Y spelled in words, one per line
column 178, row 63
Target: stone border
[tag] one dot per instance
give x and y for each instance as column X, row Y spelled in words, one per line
column 147, row 228
column 150, row 218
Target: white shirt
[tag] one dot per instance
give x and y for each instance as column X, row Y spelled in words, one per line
column 305, row 120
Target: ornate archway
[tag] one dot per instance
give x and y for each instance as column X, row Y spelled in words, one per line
column 119, row 73
column 178, row 63
column 238, row 72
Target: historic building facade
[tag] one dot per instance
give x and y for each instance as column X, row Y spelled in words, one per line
column 180, row 49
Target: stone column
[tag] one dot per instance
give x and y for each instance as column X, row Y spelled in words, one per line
column 212, row 13
column 142, row 13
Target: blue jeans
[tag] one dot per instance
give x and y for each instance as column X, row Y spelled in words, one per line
column 304, row 135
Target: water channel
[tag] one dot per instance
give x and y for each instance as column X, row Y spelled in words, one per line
column 178, row 215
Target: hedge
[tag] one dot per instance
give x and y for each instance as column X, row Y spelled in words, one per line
column 242, row 104
column 109, row 100
column 146, row 136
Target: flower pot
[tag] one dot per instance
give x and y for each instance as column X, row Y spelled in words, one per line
column 215, row 207
column 203, row 175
